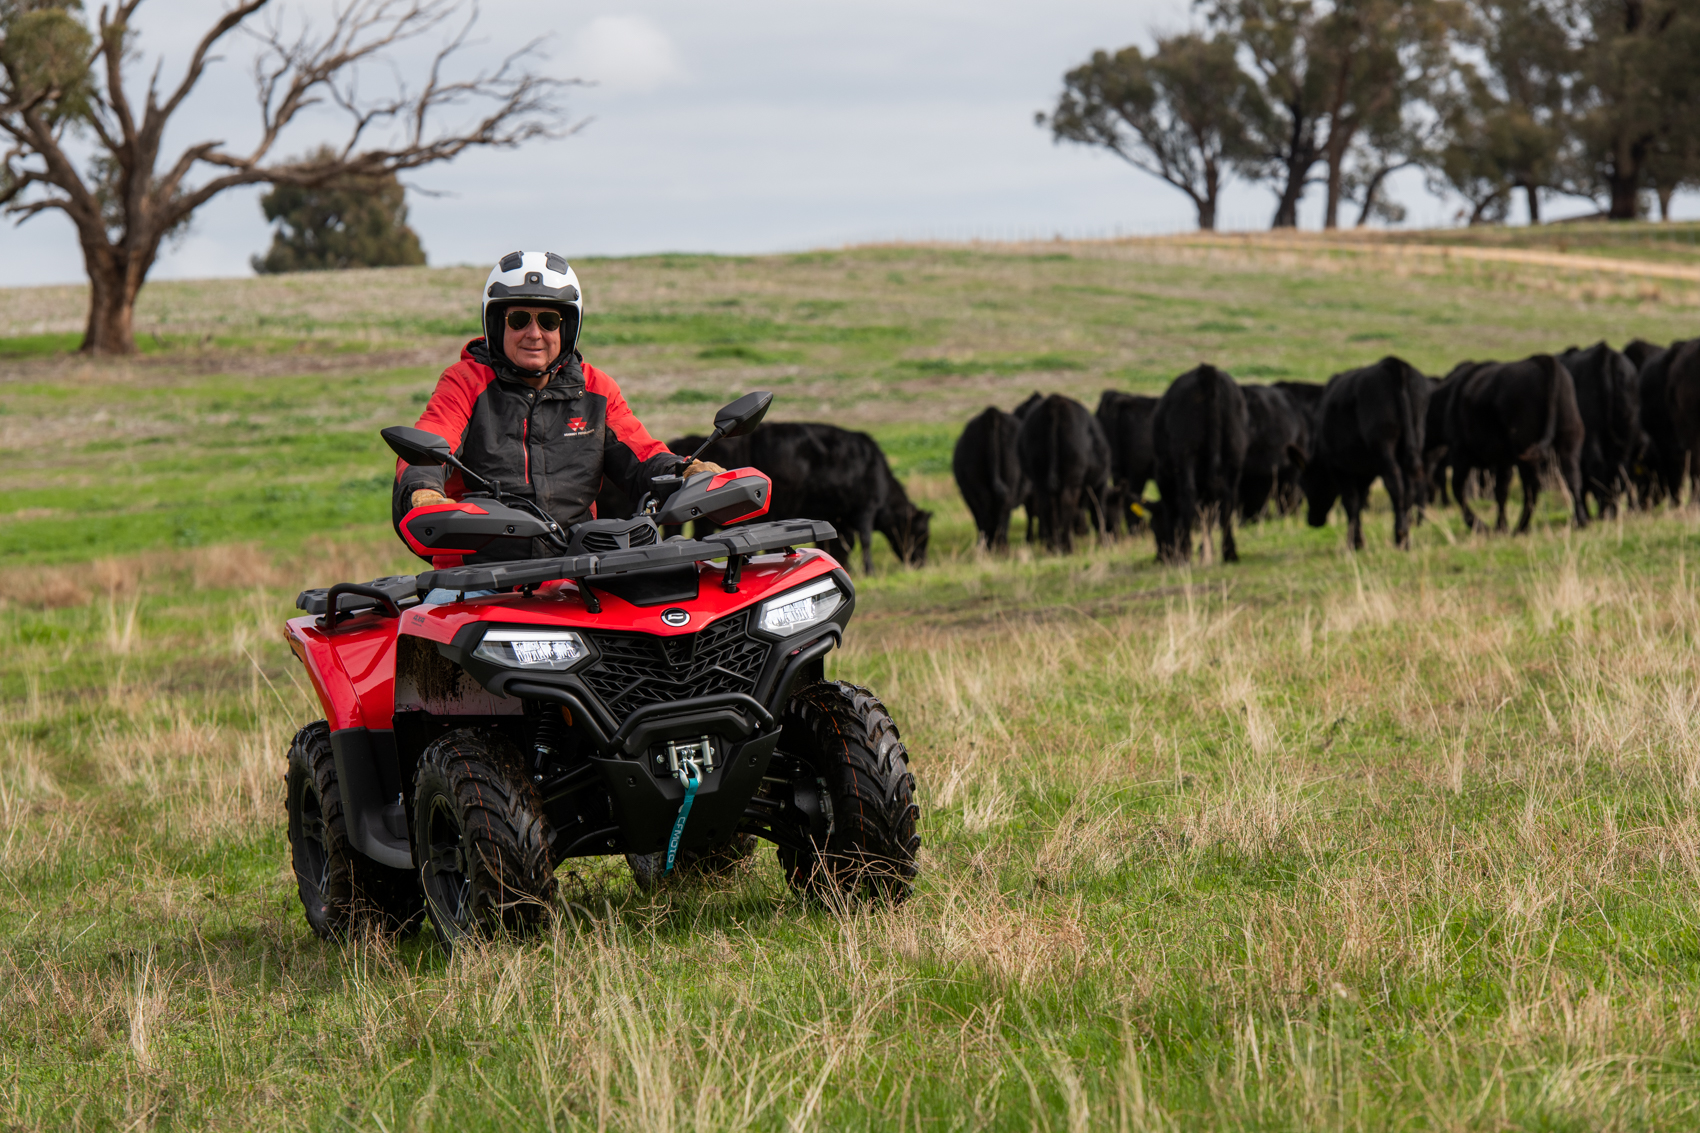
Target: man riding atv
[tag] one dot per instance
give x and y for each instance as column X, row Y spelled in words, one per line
column 524, row 408
column 560, row 686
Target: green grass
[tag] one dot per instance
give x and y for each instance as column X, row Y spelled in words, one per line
column 1386, row 841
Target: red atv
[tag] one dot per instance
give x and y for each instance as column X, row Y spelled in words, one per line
column 660, row 698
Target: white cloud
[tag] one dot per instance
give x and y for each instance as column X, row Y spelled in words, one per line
column 625, row 53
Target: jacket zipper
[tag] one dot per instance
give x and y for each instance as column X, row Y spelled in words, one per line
column 525, row 436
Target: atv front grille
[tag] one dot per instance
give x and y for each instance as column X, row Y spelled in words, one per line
column 635, row 669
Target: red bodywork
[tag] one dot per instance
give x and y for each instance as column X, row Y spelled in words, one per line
column 353, row 669
column 731, row 474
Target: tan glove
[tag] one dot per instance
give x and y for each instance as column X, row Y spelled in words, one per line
column 424, row 497
column 697, row 466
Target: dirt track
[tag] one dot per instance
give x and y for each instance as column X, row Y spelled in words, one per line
column 1566, row 261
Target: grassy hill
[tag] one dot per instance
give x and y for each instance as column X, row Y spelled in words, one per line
column 1395, row 840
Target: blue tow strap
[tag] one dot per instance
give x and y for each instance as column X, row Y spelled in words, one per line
column 691, row 776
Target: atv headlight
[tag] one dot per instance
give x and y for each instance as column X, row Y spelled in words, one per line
column 799, row 609
column 532, row 648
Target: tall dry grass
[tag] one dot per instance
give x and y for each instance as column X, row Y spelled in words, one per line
column 1401, row 847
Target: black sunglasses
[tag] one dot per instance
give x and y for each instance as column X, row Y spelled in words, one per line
column 546, row 320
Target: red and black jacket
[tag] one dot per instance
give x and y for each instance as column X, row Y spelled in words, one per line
column 554, row 444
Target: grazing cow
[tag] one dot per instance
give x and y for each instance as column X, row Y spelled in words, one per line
column 1201, row 433
column 1371, row 425
column 1640, row 350
column 1028, row 505
column 1278, row 440
column 1659, row 471
column 1307, row 399
column 988, row 473
column 1435, row 443
column 825, row 472
column 1126, row 421
column 1608, row 397
column 1682, row 393
column 1506, row 414
column 1643, row 466
column 1066, row 461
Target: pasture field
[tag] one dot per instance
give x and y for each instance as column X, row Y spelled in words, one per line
column 1314, row 841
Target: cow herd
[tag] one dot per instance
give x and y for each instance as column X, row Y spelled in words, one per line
column 1605, row 424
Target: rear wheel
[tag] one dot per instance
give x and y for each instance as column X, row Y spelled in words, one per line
column 342, row 890
column 850, row 769
column 481, row 839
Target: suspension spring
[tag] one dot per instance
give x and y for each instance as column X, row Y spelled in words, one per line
column 548, row 737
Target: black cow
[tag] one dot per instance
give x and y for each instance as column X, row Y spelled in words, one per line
column 1506, row 414
column 1066, row 461
column 825, row 472
column 1126, row 421
column 1682, row 393
column 1435, row 441
column 1278, row 441
column 1608, row 397
column 1307, row 399
column 1020, row 413
column 1658, row 473
column 1371, row 426
column 1201, row 433
column 988, row 473
column 1644, row 474
column 1639, row 350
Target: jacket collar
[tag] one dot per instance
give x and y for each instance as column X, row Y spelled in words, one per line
column 566, row 374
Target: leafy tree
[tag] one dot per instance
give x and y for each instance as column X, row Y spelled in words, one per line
column 347, row 224
column 65, row 89
column 1373, row 57
column 1636, row 99
column 1391, row 141
column 1504, row 114
column 1183, row 114
column 1280, row 39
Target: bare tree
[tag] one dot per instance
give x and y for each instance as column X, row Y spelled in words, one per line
column 63, row 83
column 1181, row 115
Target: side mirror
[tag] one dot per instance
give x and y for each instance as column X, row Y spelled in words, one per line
column 742, row 416
column 416, row 446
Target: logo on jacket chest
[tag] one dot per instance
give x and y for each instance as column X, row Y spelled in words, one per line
column 577, row 427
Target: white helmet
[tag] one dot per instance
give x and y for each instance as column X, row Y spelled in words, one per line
column 533, row 279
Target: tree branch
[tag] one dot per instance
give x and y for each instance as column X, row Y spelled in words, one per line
column 198, row 62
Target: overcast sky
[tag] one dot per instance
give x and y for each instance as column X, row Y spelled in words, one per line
column 734, row 126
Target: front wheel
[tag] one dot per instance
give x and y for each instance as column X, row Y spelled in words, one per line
column 481, row 839
column 342, row 890
column 851, row 782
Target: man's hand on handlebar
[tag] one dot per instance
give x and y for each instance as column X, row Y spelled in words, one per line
column 425, row 497
column 697, row 466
